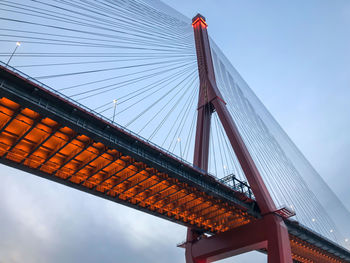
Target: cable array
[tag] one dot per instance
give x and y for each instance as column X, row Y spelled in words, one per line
column 280, row 170
column 131, row 61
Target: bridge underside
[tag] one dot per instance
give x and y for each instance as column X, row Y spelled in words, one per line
column 48, row 136
column 41, row 145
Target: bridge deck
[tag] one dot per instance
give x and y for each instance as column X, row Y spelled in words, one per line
column 49, row 136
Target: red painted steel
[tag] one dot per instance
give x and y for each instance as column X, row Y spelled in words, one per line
column 270, row 232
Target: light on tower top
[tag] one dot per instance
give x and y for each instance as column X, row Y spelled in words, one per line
column 199, row 20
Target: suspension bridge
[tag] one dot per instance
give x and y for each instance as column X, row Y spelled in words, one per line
column 133, row 102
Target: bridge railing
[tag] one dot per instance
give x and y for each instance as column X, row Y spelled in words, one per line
column 244, row 190
column 240, row 186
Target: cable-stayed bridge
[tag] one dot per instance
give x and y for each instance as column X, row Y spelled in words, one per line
column 119, row 116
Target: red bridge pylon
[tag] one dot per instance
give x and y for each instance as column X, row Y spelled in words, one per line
column 269, row 232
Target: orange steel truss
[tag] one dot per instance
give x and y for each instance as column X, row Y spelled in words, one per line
column 41, row 144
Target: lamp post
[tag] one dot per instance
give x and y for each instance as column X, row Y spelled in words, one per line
column 115, row 107
column 179, row 140
column 17, row 45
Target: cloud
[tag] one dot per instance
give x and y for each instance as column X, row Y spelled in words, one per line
column 47, row 222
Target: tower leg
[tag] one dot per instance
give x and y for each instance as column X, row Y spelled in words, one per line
column 278, row 248
column 191, row 238
column 201, row 153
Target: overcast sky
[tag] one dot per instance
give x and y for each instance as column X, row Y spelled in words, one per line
column 295, row 56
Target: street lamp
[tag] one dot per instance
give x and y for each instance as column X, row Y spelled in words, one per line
column 115, row 107
column 179, row 140
column 225, row 169
column 17, row 45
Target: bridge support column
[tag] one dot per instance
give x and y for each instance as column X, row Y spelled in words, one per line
column 268, row 233
column 278, row 247
column 264, row 234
